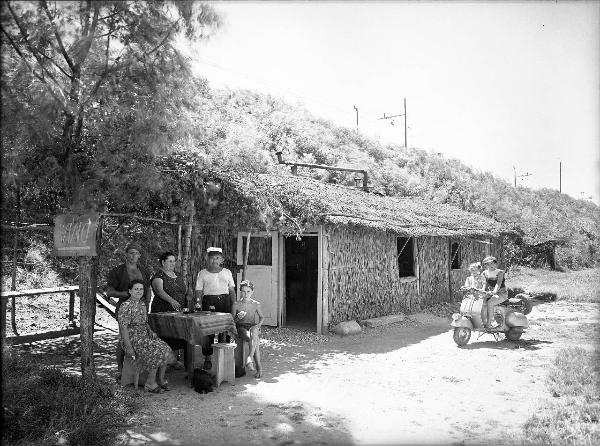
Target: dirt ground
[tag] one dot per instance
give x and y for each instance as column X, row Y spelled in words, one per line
column 406, row 383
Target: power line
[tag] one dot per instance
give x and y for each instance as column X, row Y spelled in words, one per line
column 526, row 174
column 396, row 116
column 291, row 90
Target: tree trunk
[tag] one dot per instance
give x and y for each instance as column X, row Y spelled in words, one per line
column 245, row 266
column 187, row 243
column 88, row 267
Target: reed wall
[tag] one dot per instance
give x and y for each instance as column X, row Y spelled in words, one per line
column 362, row 275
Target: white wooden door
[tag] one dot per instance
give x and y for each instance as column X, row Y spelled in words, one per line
column 261, row 270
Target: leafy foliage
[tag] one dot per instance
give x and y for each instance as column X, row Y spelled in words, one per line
column 128, row 130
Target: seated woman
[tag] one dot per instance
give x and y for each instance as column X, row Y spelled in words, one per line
column 244, row 313
column 148, row 352
column 495, row 287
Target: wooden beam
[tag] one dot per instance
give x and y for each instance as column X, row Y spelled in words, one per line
column 34, row 227
column 38, row 291
column 106, row 304
column 13, row 340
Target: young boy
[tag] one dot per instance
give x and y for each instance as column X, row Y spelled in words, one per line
column 244, row 313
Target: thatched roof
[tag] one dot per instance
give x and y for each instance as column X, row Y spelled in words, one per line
column 304, row 198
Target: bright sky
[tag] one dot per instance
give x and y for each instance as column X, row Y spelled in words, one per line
column 494, row 84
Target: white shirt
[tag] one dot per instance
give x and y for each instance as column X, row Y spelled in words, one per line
column 214, row 283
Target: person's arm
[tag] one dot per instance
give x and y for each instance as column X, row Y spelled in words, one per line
column 232, row 298
column 124, row 332
column 467, row 284
column 499, row 278
column 157, row 284
column 231, row 285
column 261, row 317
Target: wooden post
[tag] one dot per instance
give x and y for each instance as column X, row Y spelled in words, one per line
column 179, row 256
column 72, row 308
column 87, row 305
column 13, row 313
column 246, row 256
column 88, row 272
column 188, row 243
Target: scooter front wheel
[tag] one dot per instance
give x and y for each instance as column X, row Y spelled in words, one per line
column 462, row 335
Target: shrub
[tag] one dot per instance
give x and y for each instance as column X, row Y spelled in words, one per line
column 573, row 416
column 42, row 403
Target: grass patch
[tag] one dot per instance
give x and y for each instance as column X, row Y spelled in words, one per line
column 573, row 416
column 44, row 405
column 574, row 286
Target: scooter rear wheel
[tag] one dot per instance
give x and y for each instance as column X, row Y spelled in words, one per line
column 514, row 334
column 462, row 335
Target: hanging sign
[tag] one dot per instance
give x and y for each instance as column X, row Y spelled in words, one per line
column 75, row 235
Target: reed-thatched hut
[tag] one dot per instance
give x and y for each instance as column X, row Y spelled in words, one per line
column 358, row 255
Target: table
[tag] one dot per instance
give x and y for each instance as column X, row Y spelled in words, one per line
column 192, row 327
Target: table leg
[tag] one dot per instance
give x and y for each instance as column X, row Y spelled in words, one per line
column 190, row 354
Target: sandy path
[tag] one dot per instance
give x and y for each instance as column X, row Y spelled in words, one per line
column 402, row 384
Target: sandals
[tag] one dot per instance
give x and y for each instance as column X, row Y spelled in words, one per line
column 165, row 386
column 258, row 374
column 157, row 389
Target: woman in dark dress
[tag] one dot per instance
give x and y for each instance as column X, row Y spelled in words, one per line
column 169, row 293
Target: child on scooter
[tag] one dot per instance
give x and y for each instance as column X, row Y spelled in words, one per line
column 475, row 280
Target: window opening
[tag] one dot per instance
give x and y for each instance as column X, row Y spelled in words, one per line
column 406, row 258
column 260, row 250
column 456, row 255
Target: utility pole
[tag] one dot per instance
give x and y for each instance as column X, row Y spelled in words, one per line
column 356, row 116
column 526, row 174
column 560, row 177
column 405, row 127
column 405, row 132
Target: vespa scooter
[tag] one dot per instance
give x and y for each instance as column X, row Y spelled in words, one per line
column 510, row 316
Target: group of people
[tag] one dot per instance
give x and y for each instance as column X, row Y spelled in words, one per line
column 133, row 287
column 491, row 281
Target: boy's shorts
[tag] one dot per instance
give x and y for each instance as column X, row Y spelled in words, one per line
column 245, row 325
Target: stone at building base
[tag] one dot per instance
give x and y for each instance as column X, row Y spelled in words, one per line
column 347, row 328
column 383, row 320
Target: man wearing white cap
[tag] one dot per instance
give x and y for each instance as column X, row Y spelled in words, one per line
column 215, row 291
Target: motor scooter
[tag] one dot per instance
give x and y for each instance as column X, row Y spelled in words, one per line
column 510, row 316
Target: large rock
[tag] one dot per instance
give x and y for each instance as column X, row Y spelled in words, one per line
column 383, row 320
column 346, row 328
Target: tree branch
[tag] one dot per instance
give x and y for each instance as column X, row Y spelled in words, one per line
column 89, row 35
column 58, row 38
column 56, row 65
column 33, row 52
column 61, row 101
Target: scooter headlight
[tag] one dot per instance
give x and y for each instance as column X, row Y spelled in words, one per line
column 455, row 316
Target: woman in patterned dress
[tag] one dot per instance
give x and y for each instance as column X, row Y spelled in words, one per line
column 149, row 353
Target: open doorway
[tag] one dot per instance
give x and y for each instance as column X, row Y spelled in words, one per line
column 301, row 276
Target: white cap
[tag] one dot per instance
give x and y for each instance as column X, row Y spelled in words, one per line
column 213, row 249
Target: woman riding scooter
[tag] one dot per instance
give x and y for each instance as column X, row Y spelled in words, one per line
column 494, row 287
